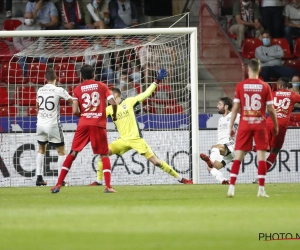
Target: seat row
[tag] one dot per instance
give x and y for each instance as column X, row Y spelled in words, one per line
column 12, row 111
column 12, row 73
column 250, row 45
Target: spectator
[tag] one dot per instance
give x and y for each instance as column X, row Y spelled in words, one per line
column 21, row 43
column 270, row 58
column 8, row 7
column 246, row 20
column 123, row 14
column 100, row 13
column 136, row 75
column 296, row 85
column 101, row 61
column 292, row 22
column 44, row 13
column 271, row 14
column 73, row 15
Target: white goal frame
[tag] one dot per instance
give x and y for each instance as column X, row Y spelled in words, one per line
column 192, row 31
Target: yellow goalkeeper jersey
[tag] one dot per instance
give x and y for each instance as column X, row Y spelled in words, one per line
column 126, row 123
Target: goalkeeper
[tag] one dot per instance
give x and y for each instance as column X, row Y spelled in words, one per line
column 130, row 134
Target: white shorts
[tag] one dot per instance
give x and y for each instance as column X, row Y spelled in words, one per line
column 230, row 152
column 52, row 135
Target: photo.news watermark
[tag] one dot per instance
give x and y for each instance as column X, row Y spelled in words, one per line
column 278, row 236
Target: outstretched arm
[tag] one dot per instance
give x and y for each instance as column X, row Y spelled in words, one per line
column 162, row 73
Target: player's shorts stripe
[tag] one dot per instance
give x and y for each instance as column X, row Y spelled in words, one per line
column 236, row 100
column 269, row 102
column 261, row 176
column 109, row 97
column 106, row 170
column 233, row 175
column 65, row 168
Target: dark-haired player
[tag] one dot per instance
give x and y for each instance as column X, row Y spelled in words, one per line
column 223, row 152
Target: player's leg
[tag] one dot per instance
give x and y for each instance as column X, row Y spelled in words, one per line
column 118, row 147
column 276, row 144
column 144, row 149
column 216, row 161
column 80, row 140
column 243, row 144
column 262, row 144
column 42, row 138
column 40, row 164
column 61, row 151
column 98, row 139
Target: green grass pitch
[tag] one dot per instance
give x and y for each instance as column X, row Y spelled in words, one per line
column 148, row 217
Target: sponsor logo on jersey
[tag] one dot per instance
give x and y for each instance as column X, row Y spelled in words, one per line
column 89, row 87
column 283, row 93
column 253, row 87
column 124, row 106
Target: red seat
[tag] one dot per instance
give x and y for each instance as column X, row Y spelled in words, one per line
column 293, row 64
column 4, row 99
column 8, row 111
column 31, row 111
column 285, row 47
column 297, row 47
column 54, row 48
column 5, row 54
column 174, row 109
column 163, row 95
column 11, row 24
column 76, row 47
column 249, row 47
column 26, row 96
column 66, row 73
column 66, row 111
column 36, row 73
column 12, row 73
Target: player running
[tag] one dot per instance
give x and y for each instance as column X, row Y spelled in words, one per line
column 252, row 96
column 130, row 134
column 89, row 104
column 223, row 152
column 284, row 101
column 48, row 124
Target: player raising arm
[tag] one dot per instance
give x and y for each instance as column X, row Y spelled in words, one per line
column 252, row 96
column 48, row 124
column 223, row 152
column 130, row 134
column 284, row 101
column 89, row 104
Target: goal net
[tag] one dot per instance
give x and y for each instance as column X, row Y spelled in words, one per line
column 127, row 59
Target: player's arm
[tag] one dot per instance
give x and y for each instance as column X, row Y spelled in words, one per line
column 234, row 111
column 75, row 107
column 162, row 73
column 272, row 114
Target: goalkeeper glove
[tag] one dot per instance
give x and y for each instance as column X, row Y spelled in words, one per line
column 162, row 73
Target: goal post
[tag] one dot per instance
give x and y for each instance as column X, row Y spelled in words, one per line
column 165, row 117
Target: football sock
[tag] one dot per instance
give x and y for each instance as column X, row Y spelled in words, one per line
column 99, row 171
column 60, row 162
column 217, row 174
column 234, row 171
column 106, row 171
column 39, row 164
column 215, row 155
column 65, row 169
column 165, row 167
column 262, row 170
column 270, row 160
